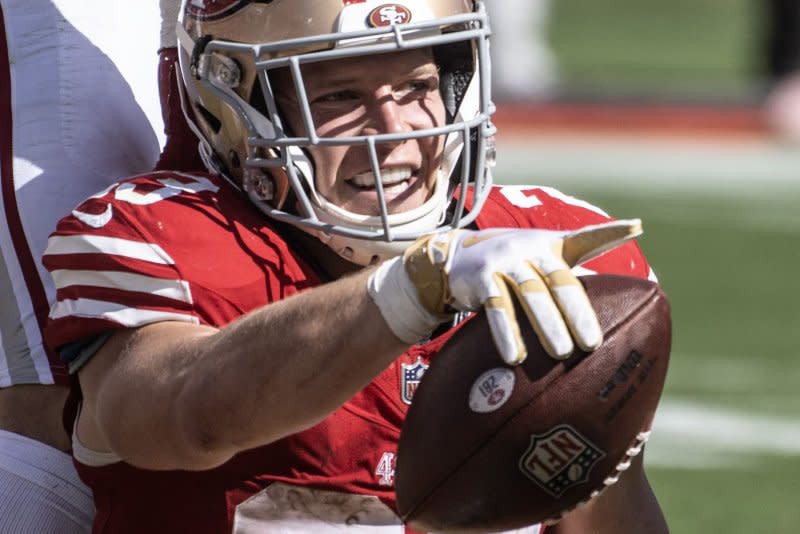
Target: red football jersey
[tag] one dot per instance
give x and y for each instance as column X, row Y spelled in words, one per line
column 165, row 247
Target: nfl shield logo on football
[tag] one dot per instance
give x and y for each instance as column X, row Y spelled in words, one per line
column 411, row 377
column 559, row 459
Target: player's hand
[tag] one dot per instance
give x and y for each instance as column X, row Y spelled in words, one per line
column 463, row 270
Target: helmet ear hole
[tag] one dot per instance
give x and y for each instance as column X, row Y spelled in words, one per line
column 213, row 122
column 259, row 102
column 257, row 99
column 236, row 162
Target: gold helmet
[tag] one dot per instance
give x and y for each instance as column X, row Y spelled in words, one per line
column 229, row 53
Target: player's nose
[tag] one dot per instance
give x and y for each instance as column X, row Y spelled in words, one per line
column 386, row 114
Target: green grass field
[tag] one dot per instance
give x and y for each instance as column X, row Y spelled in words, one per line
column 725, row 456
column 732, row 282
column 686, row 48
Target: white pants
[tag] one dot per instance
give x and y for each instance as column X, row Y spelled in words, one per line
column 77, row 125
column 40, row 492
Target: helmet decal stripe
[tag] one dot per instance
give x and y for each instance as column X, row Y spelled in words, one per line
column 205, row 10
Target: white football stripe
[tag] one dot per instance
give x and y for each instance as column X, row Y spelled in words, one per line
column 119, row 313
column 579, row 270
column 174, row 289
column 89, row 244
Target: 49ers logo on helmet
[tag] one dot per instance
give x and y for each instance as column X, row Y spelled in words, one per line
column 388, row 15
column 215, row 9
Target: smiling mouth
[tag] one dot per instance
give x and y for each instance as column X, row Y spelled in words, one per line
column 394, row 181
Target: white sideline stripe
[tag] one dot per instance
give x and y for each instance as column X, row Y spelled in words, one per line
column 641, row 162
column 124, row 315
column 691, row 435
column 89, row 244
column 174, row 289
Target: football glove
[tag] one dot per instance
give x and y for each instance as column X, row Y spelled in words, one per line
column 464, row 270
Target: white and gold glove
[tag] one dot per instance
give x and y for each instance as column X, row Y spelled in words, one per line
column 463, row 270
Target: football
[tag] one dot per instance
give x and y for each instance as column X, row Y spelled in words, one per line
column 488, row 447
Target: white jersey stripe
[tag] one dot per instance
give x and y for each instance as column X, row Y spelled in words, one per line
column 90, row 244
column 568, row 199
column 118, row 313
column 173, row 289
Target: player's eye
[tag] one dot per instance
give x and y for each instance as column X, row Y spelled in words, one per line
column 419, row 85
column 418, row 88
column 336, row 97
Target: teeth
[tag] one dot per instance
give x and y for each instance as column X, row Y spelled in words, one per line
column 396, row 189
column 395, row 176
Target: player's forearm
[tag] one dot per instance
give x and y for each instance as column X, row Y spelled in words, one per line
column 301, row 358
column 204, row 396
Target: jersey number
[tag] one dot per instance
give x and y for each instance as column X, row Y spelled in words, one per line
column 127, row 192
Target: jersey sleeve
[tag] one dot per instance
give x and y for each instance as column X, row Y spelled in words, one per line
column 110, row 272
column 166, row 246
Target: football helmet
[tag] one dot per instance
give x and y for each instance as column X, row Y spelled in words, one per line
column 230, row 52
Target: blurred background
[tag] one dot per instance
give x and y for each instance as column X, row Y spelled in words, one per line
column 685, row 114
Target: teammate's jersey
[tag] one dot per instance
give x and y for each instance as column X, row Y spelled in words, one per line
column 69, row 126
column 161, row 247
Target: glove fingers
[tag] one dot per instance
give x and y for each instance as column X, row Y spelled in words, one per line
column 589, row 242
column 503, row 324
column 543, row 315
column 578, row 313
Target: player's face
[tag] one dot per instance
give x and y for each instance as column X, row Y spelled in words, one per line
column 390, row 93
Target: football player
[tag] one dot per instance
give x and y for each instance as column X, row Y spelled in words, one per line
column 70, row 126
column 242, row 336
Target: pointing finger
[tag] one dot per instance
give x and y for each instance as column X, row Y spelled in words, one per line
column 587, row 243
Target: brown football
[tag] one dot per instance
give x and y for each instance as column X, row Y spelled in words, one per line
column 488, row 447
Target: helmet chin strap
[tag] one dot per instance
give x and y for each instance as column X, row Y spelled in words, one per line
column 421, row 220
